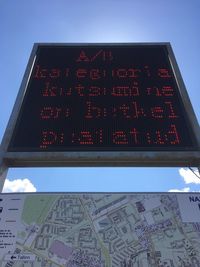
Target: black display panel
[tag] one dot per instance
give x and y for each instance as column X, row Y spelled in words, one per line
column 102, row 98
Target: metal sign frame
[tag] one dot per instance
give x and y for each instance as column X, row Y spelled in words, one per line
column 100, row 158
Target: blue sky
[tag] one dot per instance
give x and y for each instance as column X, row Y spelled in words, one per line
column 23, row 23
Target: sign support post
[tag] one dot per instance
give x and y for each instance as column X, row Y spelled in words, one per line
column 3, row 172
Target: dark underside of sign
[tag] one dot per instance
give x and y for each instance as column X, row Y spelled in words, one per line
column 102, row 98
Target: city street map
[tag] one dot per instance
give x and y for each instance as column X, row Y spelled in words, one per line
column 100, row 230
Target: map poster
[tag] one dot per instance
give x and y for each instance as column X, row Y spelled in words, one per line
column 100, row 230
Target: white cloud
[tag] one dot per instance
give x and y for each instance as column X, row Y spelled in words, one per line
column 186, row 189
column 18, row 185
column 189, row 177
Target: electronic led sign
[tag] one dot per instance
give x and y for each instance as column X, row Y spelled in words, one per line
column 102, row 98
